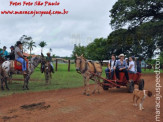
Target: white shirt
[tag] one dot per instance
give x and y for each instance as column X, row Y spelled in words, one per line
column 112, row 63
column 133, row 66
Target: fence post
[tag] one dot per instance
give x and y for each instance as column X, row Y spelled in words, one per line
column 68, row 65
column 56, row 65
column 145, row 67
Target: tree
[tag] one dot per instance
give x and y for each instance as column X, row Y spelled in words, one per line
column 135, row 12
column 79, row 50
column 97, row 50
column 25, row 40
column 31, row 44
column 144, row 21
column 42, row 44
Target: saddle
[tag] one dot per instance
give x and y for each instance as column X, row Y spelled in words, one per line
column 17, row 65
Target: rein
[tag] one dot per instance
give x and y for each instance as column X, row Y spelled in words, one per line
column 86, row 66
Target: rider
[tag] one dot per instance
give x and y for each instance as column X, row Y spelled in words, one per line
column 121, row 66
column 49, row 59
column 4, row 52
column 111, row 67
column 11, row 56
column 19, row 56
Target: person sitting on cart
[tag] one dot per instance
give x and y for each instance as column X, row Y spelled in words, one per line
column 121, row 66
column 131, row 68
column 111, row 67
column 49, row 59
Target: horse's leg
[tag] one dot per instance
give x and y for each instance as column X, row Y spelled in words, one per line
column 84, row 93
column 2, row 83
column 95, row 78
column 10, row 78
column 98, row 83
column 5, row 79
column 46, row 78
column 27, row 81
column 87, row 85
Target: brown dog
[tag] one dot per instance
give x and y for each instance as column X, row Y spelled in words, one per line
column 140, row 94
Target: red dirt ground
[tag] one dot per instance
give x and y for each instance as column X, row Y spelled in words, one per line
column 69, row 105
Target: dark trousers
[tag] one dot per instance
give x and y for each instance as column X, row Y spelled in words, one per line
column 124, row 70
column 107, row 73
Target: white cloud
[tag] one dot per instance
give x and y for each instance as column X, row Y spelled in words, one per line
column 86, row 21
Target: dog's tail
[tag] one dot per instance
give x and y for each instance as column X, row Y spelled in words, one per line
column 149, row 93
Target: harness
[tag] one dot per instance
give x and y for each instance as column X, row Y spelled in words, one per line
column 93, row 66
column 86, row 66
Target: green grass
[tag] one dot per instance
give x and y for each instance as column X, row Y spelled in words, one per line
column 61, row 79
column 150, row 71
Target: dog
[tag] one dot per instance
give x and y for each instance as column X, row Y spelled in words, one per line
column 140, row 94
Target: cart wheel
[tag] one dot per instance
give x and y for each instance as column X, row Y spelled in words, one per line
column 105, row 87
column 141, row 84
column 130, row 86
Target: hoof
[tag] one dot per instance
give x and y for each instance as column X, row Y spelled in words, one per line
column 93, row 92
column 88, row 94
column 7, row 88
column 84, row 93
column 2, row 88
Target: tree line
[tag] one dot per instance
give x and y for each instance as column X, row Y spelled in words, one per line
column 137, row 31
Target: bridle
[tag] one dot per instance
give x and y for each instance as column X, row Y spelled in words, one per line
column 86, row 66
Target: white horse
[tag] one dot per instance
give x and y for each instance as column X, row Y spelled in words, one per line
column 7, row 70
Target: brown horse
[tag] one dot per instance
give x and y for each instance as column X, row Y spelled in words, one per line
column 86, row 68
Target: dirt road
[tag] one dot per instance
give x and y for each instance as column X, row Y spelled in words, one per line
column 69, row 105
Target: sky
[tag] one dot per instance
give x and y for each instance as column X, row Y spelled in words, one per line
column 86, row 20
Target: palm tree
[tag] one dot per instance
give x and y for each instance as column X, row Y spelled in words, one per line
column 31, row 44
column 42, row 45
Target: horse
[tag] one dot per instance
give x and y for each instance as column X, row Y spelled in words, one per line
column 7, row 69
column 46, row 68
column 86, row 69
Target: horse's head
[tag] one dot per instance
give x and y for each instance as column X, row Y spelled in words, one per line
column 78, row 62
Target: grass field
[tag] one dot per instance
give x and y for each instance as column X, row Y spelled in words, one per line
column 61, row 79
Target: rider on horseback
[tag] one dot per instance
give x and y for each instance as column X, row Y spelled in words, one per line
column 49, row 59
column 19, row 56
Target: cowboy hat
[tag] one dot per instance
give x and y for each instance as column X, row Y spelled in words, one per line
column 48, row 53
column 121, row 55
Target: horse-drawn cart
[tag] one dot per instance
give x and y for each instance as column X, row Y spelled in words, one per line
column 134, row 79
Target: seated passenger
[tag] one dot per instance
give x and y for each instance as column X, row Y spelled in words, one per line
column 121, row 66
column 19, row 56
column 111, row 67
column 131, row 68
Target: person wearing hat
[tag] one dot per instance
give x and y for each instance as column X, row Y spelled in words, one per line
column 11, row 56
column 49, row 59
column 131, row 68
column 121, row 66
column 19, row 56
column 4, row 53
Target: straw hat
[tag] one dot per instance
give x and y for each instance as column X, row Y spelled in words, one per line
column 121, row 55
